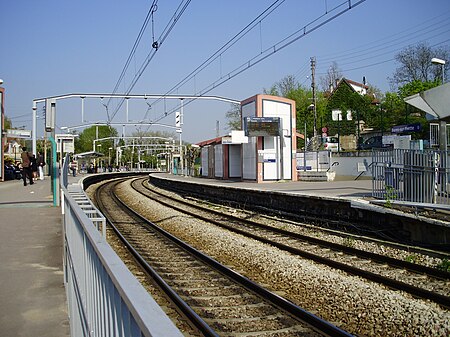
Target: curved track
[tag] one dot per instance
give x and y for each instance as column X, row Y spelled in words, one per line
column 218, row 301
column 420, row 281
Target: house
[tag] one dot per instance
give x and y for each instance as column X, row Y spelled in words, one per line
column 349, row 105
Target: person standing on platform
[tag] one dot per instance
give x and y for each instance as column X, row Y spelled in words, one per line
column 41, row 164
column 34, row 166
column 26, row 165
column 73, row 167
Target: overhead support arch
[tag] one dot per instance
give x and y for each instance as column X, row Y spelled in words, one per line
column 101, row 96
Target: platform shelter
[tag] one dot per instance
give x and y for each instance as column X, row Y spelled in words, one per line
column 264, row 150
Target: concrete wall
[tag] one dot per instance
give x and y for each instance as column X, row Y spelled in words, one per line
column 350, row 166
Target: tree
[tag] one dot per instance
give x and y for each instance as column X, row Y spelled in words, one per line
column 333, row 75
column 415, row 87
column 415, row 65
column 85, row 141
column 394, row 111
column 233, row 117
column 7, row 123
column 303, row 99
column 148, row 154
column 286, row 85
column 283, row 87
column 391, row 112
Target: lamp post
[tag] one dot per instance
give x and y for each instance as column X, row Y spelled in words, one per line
column 99, row 145
column 109, row 155
column 441, row 62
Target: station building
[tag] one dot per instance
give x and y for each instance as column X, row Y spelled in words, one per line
column 263, row 151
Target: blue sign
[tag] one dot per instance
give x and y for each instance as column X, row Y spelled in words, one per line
column 407, row 128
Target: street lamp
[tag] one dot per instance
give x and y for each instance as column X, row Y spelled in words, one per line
column 109, row 156
column 100, row 162
column 441, row 62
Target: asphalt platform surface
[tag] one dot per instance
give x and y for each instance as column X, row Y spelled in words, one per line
column 32, row 294
column 347, row 189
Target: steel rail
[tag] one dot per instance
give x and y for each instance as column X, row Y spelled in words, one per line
column 154, row 180
column 316, row 322
column 398, row 285
column 421, row 269
column 184, row 307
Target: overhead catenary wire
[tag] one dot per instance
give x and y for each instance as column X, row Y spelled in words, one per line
column 413, row 29
column 391, row 46
column 383, row 48
column 169, row 27
column 375, row 52
column 135, row 46
column 218, row 53
column 391, row 59
column 323, row 19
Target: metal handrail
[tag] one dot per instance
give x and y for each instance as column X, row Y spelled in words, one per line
column 95, row 275
column 368, row 167
column 334, row 164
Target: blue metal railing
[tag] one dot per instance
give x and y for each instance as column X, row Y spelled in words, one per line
column 104, row 298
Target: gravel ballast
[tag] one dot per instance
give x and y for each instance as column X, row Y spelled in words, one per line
column 358, row 306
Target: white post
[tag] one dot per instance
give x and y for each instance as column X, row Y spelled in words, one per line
column 33, row 131
column 132, row 155
column 139, row 159
column 82, row 109
column 126, row 116
column 181, row 144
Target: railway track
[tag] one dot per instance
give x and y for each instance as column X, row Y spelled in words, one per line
column 420, row 281
column 217, row 300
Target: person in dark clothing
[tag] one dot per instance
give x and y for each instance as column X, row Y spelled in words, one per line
column 26, row 165
column 41, row 164
column 9, row 170
column 34, row 166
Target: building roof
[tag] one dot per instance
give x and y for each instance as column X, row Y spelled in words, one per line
column 356, row 84
column 89, row 154
column 434, row 101
column 352, row 85
column 214, row 141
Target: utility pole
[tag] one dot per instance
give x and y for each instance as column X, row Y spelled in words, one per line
column 313, row 86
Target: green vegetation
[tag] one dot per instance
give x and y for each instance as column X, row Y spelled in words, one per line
column 444, row 265
column 391, row 194
column 349, row 242
column 411, row 258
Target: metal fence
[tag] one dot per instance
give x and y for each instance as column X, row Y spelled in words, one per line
column 421, row 176
column 434, row 134
column 104, row 298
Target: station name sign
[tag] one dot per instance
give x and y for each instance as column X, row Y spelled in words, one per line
column 262, row 126
column 12, row 133
column 407, row 128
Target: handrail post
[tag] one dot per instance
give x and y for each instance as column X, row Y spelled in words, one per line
column 54, row 174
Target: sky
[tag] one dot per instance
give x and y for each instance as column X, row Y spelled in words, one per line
column 53, row 47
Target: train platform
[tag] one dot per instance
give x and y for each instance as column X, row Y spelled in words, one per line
column 32, row 290
column 354, row 190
